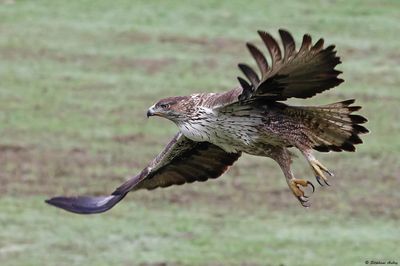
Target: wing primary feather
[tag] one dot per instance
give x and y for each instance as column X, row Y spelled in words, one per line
column 272, row 46
column 330, row 48
column 250, row 74
column 247, row 89
column 245, row 85
column 305, row 45
column 259, row 58
column 318, row 45
column 289, row 45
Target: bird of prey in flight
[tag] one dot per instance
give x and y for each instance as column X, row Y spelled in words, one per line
column 216, row 128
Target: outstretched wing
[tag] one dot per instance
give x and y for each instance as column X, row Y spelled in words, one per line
column 182, row 161
column 299, row 74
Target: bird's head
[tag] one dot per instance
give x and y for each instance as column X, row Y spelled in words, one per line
column 173, row 108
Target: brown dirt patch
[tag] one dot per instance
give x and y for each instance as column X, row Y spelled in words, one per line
column 128, row 138
column 92, row 86
column 88, row 61
column 17, row 53
column 12, row 148
column 34, row 171
column 7, row 2
column 211, row 44
column 383, row 205
column 148, row 65
column 207, row 63
column 132, row 37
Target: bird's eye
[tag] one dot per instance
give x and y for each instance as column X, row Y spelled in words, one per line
column 164, row 106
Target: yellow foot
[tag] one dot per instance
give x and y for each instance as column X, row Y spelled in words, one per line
column 319, row 171
column 294, row 185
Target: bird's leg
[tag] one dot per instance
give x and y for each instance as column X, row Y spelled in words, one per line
column 318, row 168
column 283, row 157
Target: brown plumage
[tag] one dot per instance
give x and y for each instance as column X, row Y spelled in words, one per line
column 215, row 128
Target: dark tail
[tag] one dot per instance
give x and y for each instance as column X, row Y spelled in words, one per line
column 333, row 127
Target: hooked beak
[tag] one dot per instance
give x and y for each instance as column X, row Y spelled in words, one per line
column 150, row 113
column 153, row 112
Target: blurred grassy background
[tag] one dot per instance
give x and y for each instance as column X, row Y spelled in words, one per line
column 76, row 78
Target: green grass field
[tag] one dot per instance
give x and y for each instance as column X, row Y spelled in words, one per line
column 76, row 79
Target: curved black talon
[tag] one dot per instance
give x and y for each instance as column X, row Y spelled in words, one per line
column 313, row 189
column 319, row 180
column 312, row 185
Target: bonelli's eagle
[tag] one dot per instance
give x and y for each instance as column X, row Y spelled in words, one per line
column 216, row 128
